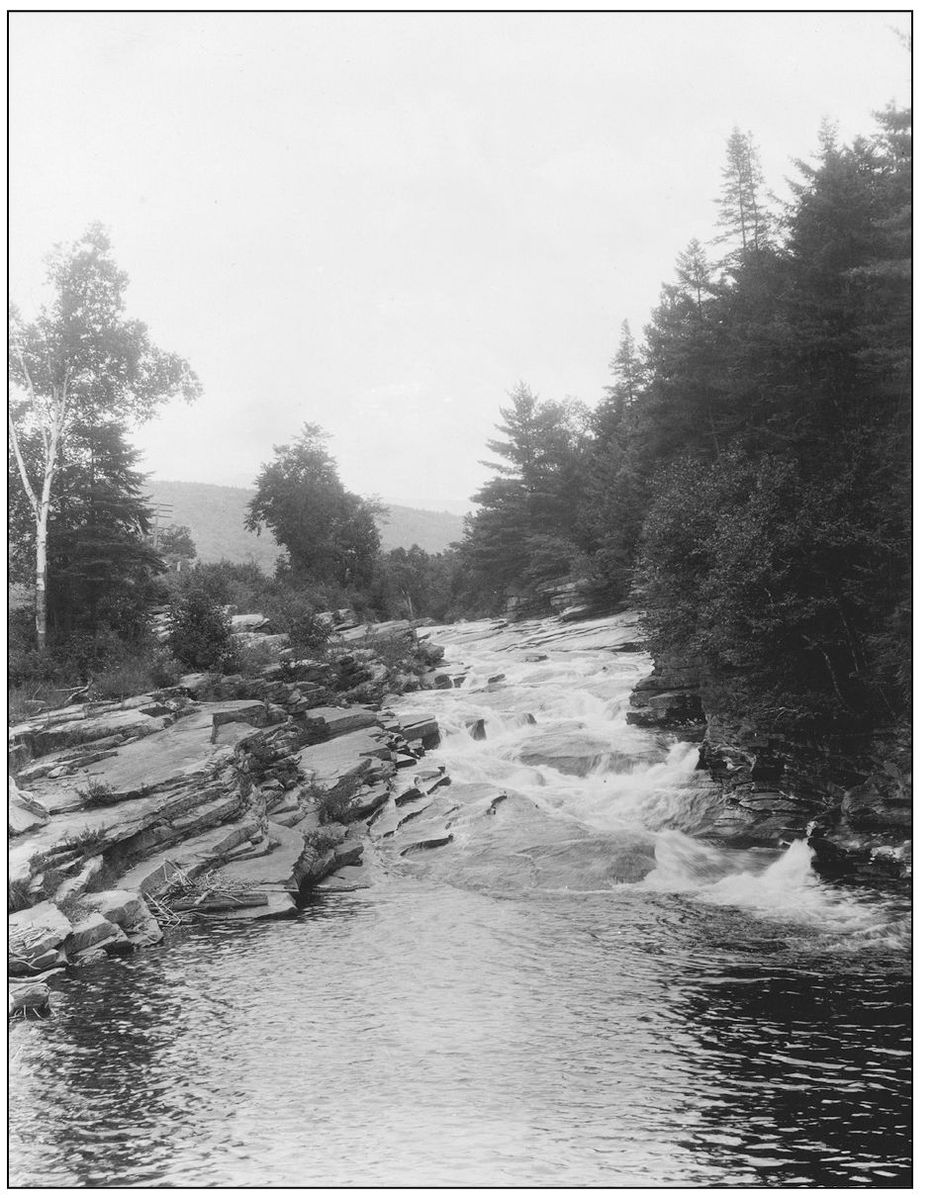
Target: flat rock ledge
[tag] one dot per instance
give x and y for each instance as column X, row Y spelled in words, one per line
column 129, row 817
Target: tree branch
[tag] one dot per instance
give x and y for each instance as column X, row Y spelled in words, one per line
column 27, row 485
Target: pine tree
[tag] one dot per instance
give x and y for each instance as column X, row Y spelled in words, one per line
column 101, row 568
column 744, row 214
column 525, row 530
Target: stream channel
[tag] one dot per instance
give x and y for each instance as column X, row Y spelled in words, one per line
column 576, row 990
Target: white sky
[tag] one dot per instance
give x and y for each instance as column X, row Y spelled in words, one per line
column 381, row 222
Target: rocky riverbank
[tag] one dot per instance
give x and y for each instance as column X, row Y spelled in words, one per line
column 849, row 796
column 222, row 797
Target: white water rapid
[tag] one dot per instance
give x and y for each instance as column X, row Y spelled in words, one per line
column 541, row 714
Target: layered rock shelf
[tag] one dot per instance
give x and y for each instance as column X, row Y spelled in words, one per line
column 850, row 797
column 219, row 798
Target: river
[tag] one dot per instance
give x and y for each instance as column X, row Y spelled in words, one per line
column 575, row 991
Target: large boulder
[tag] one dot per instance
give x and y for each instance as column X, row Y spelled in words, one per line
column 423, row 728
column 329, row 722
column 36, row 936
column 94, row 934
column 28, row 996
column 26, row 814
column 129, row 912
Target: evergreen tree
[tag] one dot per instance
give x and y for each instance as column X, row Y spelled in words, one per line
column 628, row 368
column 744, row 214
column 101, row 568
column 526, row 529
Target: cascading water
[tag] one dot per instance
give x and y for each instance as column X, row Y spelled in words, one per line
column 555, row 735
column 572, row 987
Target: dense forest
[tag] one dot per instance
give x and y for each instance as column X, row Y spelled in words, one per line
column 744, row 479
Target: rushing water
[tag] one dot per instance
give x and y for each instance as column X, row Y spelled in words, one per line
column 575, row 991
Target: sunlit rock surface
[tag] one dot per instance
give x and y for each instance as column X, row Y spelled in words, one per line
column 199, row 801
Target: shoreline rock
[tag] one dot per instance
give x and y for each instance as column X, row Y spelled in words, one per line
column 198, row 802
column 849, row 796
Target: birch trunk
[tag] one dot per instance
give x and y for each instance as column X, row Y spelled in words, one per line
column 42, row 527
column 41, row 504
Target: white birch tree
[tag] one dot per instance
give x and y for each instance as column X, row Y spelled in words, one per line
column 81, row 358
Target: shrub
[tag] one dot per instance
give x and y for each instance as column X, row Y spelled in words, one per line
column 88, row 841
column 308, row 632
column 319, row 842
column 250, row 660
column 19, row 895
column 75, row 907
column 333, row 805
column 132, row 676
column 97, row 794
column 28, row 700
column 396, row 652
column 165, row 667
column 200, row 633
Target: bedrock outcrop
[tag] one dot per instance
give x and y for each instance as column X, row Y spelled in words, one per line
column 217, row 798
column 850, row 796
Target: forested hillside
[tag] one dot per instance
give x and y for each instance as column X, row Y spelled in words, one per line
column 215, row 516
column 746, row 476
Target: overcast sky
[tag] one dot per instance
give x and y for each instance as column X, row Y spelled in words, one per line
column 381, row 222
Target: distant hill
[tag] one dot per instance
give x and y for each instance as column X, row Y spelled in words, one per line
column 216, row 514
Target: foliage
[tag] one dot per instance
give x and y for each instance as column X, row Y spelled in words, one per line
column 746, row 477
column 102, row 664
column 200, row 634
column 134, row 671
column 97, row 794
column 308, row 632
column 175, row 547
column 776, row 548
column 102, row 574
column 744, row 215
column 333, row 805
column 318, row 842
column 329, row 533
column 89, row 841
column 79, row 365
column 410, row 583
column 19, row 895
column 251, row 660
column 527, row 518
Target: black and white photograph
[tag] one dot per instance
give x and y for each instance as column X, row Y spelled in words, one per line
column 459, row 599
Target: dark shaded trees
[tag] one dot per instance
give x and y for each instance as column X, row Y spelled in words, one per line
column 101, row 568
column 525, row 529
column 747, row 474
column 782, row 558
column 413, row 584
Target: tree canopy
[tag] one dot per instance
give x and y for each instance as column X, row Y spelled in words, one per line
column 329, row 533
column 746, row 476
column 81, row 364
